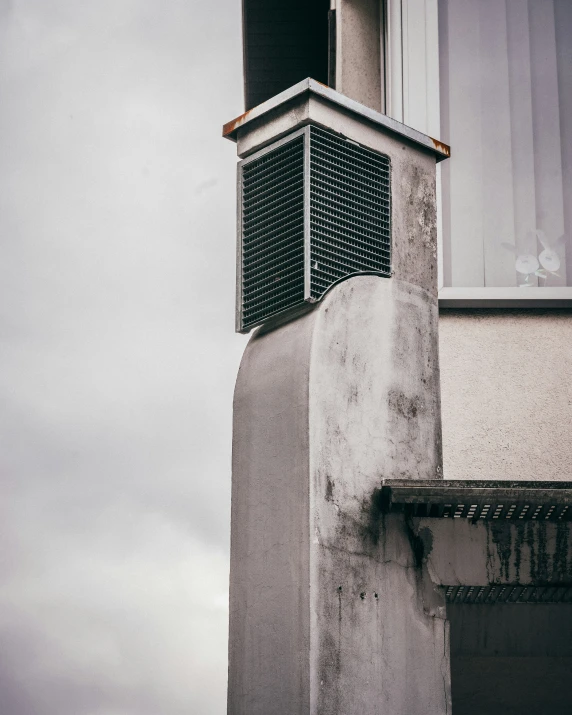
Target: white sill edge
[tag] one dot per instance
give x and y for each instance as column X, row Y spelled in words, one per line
column 560, row 297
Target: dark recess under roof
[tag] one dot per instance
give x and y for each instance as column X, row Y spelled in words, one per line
column 283, row 44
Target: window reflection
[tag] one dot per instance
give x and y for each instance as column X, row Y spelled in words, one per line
column 506, row 110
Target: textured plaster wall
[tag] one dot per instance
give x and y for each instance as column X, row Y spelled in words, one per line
column 358, row 61
column 506, row 382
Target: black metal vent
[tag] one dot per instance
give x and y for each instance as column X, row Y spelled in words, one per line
column 272, row 249
column 506, row 593
column 314, row 208
column 349, row 210
column 479, row 500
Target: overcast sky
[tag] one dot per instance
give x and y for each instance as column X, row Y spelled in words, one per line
column 117, row 353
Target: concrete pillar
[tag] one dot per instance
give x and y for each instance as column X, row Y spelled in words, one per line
column 359, row 51
column 331, row 608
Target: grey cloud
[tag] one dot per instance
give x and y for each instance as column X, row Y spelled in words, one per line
column 117, row 354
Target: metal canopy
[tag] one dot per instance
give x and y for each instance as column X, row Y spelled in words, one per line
column 320, row 91
column 480, row 500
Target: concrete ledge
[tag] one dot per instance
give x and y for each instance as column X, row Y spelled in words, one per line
column 505, row 297
column 280, row 102
column 461, row 553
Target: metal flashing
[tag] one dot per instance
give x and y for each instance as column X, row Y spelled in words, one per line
column 311, row 86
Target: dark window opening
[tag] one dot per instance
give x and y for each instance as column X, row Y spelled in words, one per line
column 283, row 44
column 510, row 659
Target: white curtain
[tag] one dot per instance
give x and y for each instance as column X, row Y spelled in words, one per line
column 506, row 110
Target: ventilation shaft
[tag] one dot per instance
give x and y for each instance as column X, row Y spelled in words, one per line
column 338, row 389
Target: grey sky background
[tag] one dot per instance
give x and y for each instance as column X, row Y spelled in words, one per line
column 117, row 353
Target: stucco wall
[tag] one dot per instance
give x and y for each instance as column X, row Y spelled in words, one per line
column 506, row 381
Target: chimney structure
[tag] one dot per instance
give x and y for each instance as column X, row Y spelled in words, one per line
column 332, row 611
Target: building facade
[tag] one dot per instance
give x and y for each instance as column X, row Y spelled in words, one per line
column 492, row 79
column 401, row 536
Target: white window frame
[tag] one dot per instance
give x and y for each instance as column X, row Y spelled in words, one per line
column 411, row 60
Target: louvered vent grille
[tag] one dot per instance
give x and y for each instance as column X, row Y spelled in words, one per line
column 349, row 210
column 314, row 209
column 273, row 233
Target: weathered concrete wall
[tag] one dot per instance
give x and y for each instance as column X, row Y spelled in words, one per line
column 506, row 394
column 270, row 527
column 358, row 61
column 373, row 412
column 327, row 599
column 331, row 611
column 457, row 551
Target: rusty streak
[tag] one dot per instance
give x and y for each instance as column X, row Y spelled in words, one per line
column 234, row 124
column 444, row 148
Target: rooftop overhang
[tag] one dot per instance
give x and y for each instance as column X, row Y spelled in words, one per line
column 489, row 542
column 480, row 500
column 286, row 107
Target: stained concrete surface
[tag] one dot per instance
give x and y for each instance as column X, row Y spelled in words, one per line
column 373, row 410
column 327, row 597
column 331, row 611
column 458, row 551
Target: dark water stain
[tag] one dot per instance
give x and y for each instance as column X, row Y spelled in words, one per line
column 561, row 563
column 518, row 543
column 417, row 547
column 536, row 540
column 530, row 540
column 543, row 561
column 426, row 536
column 373, row 512
column 502, row 539
column 408, row 407
column 329, row 496
column 509, row 541
column 421, row 544
column 353, row 395
column 490, row 565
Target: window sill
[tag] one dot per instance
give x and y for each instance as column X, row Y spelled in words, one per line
column 505, row 298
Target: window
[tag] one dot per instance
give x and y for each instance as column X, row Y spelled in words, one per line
column 283, row 42
column 493, row 78
column 510, row 658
